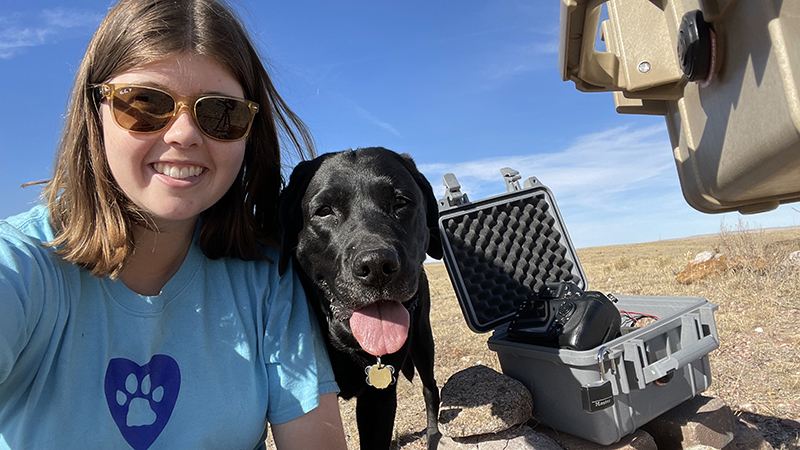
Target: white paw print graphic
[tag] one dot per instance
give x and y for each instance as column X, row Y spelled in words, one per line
column 138, row 399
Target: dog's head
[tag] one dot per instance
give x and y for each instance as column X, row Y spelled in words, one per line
column 359, row 224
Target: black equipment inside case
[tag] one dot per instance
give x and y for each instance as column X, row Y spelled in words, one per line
column 565, row 316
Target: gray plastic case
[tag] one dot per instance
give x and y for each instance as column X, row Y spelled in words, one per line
column 499, row 250
column 650, row 370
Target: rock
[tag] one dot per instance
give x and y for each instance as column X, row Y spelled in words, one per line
column 516, row 438
column 794, row 257
column 695, row 271
column 638, row 440
column 704, row 256
column 700, row 421
column 789, row 423
column 480, row 400
column 749, row 408
column 747, row 437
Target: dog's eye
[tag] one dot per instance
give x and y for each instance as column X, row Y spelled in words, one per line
column 323, row 211
column 399, row 202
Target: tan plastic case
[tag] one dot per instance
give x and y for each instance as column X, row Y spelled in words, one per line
column 735, row 134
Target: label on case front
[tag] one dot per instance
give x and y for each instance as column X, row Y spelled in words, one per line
column 597, row 396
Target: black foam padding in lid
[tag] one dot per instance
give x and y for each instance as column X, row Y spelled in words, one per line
column 497, row 254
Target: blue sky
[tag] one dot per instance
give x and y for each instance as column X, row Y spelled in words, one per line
column 463, row 86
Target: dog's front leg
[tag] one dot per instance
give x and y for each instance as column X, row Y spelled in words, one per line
column 422, row 354
column 375, row 411
column 431, row 395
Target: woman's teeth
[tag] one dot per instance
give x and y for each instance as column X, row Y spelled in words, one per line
column 178, row 172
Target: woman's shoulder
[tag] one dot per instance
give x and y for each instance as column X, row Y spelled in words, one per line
column 30, row 268
column 31, row 227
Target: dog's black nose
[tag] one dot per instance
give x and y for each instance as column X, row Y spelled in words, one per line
column 376, row 266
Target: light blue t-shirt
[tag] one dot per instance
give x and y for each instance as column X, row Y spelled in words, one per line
column 87, row 363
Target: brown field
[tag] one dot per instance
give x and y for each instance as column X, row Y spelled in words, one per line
column 756, row 370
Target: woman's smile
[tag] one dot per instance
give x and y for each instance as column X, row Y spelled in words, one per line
column 180, row 172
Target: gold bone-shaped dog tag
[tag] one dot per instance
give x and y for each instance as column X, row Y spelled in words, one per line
column 380, row 376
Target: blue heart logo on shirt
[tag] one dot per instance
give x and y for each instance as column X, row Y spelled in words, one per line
column 141, row 398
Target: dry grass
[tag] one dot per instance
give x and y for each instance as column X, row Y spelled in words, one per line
column 756, row 370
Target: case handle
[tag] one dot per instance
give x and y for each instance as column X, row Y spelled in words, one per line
column 697, row 338
column 682, row 357
column 590, row 69
column 641, row 61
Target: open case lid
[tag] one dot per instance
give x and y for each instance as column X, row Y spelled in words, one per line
column 500, row 250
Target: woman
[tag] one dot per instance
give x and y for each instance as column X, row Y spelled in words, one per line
column 140, row 307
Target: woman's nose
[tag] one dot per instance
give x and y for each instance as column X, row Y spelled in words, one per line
column 183, row 130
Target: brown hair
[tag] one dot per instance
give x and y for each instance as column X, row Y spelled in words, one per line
column 92, row 216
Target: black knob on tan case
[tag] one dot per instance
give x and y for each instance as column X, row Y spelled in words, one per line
column 695, row 46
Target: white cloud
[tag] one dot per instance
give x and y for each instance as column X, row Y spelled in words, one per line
column 520, row 59
column 19, row 31
column 13, row 39
column 549, row 47
column 618, row 186
column 369, row 117
column 614, row 186
column 70, row 18
column 598, row 164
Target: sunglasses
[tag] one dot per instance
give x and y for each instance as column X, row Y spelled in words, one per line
column 148, row 110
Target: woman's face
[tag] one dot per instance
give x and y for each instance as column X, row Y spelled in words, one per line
column 177, row 172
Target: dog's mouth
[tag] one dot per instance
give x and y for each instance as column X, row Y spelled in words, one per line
column 380, row 328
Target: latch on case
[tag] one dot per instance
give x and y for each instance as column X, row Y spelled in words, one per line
column 452, row 193
column 599, row 395
column 453, row 196
column 511, row 177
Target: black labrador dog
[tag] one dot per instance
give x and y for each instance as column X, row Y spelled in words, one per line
column 358, row 224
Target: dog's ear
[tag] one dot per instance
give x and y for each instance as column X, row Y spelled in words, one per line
column 431, row 205
column 290, row 209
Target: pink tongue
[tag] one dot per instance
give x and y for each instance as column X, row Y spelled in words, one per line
column 381, row 328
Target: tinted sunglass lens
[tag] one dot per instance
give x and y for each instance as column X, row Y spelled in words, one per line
column 223, row 118
column 142, row 110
